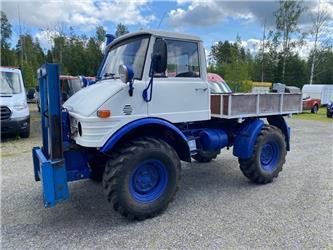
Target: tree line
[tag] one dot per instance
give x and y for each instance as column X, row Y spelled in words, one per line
column 278, row 59
column 76, row 54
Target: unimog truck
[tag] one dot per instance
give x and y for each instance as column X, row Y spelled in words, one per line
column 150, row 109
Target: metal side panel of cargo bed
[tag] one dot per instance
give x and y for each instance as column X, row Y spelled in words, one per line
column 242, row 105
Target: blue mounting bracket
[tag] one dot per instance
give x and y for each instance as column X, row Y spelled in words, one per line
column 53, row 176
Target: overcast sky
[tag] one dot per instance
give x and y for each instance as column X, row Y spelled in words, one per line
column 211, row 20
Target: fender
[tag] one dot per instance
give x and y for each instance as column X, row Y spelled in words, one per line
column 245, row 139
column 142, row 122
column 279, row 122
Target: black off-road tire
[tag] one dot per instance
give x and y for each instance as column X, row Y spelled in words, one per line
column 25, row 133
column 120, row 168
column 205, row 156
column 328, row 114
column 251, row 167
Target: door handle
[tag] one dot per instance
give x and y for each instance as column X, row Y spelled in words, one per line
column 201, row 89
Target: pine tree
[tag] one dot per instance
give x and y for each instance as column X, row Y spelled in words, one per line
column 121, row 30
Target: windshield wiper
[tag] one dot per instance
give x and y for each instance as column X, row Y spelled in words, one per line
column 109, row 76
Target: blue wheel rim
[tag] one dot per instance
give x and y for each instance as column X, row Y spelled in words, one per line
column 148, row 181
column 269, row 156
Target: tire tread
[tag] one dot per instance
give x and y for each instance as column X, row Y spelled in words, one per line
column 249, row 166
column 114, row 166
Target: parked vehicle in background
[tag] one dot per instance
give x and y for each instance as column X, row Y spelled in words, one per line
column 283, row 88
column 292, row 89
column 217, row 85
column 278, row 87
column 31, row 95
column 69, row 85
column 312, row 104
column 15, row 116
column 324, row 92
column 329, row 109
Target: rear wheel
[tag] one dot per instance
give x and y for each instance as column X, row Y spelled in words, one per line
column 142, row 178
column 205, row 156
column 268, row 157
column 328, row 114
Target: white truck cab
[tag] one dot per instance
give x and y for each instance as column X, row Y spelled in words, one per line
column 180, row 94
column 15, row 116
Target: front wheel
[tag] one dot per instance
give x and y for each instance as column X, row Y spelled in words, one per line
column 25, row 133
column 142, row 178
column 268, row 156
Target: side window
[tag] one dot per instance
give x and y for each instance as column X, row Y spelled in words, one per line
column 183, row 59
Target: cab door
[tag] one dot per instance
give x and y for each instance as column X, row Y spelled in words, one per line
column 181, row 93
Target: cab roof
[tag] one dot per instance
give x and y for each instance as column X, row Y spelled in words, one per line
column 158, row 33
column 9, row 69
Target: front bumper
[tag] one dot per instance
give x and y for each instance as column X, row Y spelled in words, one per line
column 15, row 125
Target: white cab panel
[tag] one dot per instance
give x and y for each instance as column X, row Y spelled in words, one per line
column 180, row 99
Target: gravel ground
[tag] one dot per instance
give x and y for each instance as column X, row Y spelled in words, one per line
column 216, row 206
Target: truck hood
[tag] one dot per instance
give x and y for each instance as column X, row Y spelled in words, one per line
column 89, row 99
column 11, row 100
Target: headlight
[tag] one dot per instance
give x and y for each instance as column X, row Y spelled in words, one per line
column 73, row 126
column 20, row 106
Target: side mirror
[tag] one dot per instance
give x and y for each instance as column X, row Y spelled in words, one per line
column 126, row 73
column 109, row 39
column 159, row 56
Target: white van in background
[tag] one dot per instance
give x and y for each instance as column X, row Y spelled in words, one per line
column 15, row 116
column 324, row 92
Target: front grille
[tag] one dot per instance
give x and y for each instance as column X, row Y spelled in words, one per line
column 127, row 110
column 5, row 113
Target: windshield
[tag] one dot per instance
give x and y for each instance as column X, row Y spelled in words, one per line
column 10, row 83
column 131, row 52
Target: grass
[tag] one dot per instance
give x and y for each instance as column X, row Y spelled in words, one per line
column 320, row 116
column 4, row 154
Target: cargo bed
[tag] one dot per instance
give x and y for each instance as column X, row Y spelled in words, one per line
column 242, row 105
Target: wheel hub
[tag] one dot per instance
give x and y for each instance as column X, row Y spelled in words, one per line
column 146, row 178
column 269, row 156
column 149, row 181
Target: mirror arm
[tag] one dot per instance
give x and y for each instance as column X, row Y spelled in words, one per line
column 131, row 88
column 150, row 86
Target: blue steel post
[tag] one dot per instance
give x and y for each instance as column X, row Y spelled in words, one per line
column 43, row 106
column 54, row 112
column 49, row 163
